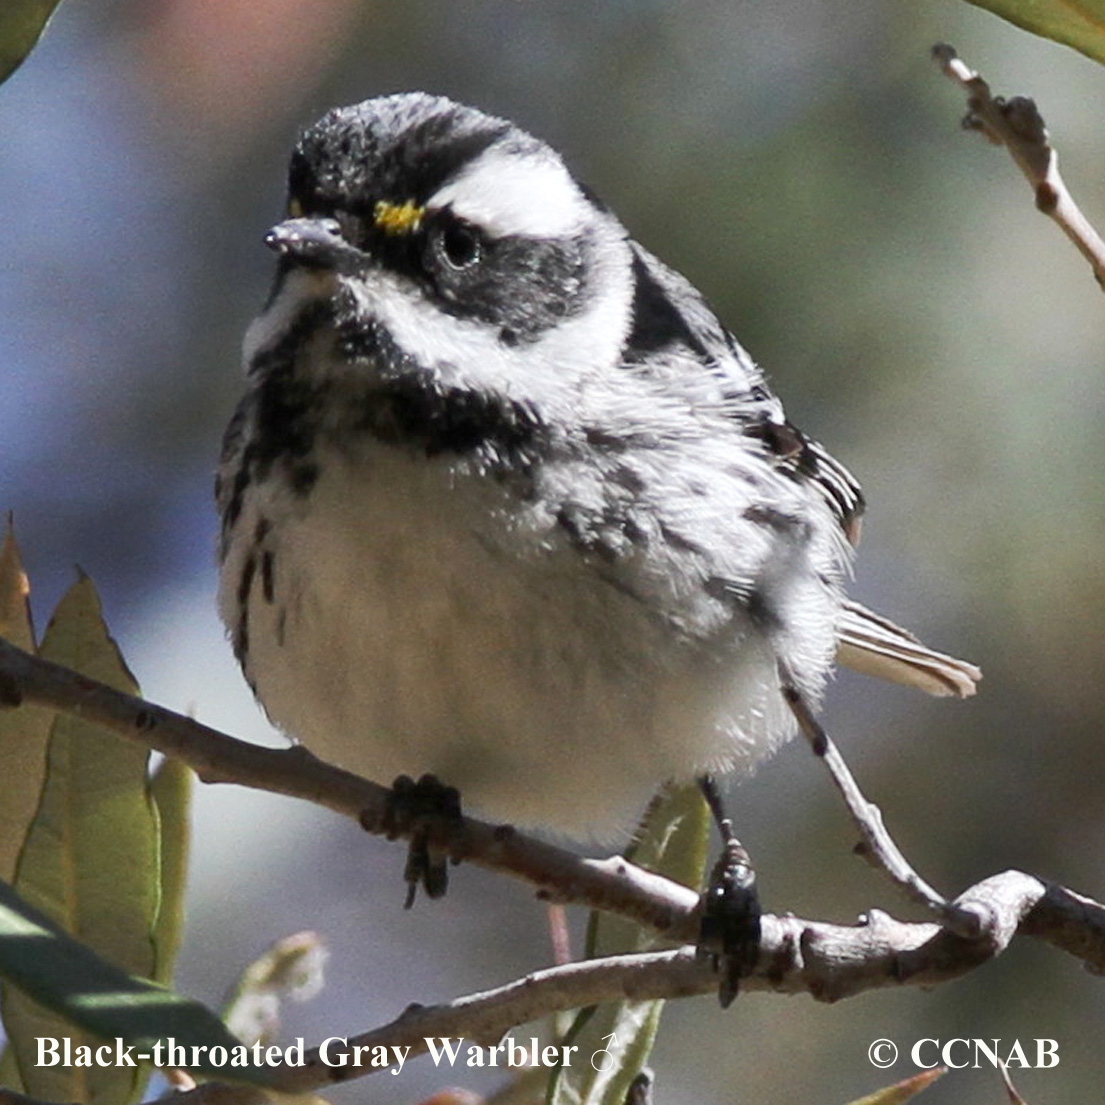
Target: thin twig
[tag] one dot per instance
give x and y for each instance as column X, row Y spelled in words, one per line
column 1018, row 125
column 877, row 846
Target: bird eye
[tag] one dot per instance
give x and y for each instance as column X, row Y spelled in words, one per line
column 458, row 244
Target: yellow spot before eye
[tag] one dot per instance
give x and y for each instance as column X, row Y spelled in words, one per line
column 295, row 209
column 397, row 218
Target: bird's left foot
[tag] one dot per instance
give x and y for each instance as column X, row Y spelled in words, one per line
column 413, row 809
column 731, row 919
column 730, row 907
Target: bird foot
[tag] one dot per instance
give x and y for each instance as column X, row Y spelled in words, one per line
column 731, row 917
column 413, row 811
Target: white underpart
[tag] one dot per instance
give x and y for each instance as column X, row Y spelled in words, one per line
column 404, row 638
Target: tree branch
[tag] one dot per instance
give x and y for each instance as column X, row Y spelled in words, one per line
column 829, row 962
column 1071, row 922
column 1018, row 125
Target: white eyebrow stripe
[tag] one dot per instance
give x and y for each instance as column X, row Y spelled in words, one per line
column 507, row 192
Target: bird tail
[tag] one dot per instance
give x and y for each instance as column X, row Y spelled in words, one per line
column 873, row 645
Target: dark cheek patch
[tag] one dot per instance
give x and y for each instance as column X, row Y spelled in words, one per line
column 521, row 286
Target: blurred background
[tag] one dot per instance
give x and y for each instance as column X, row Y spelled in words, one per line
column 801, row 161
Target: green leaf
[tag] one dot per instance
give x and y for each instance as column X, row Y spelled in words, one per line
column 15, row 592
column 21, row 24
column 90, row 860
column 67, row 977
column 23, row 736
column 23, row 732
column 1076, row 23
column 171, row 790
column 615, row 1040
column 9, row 1072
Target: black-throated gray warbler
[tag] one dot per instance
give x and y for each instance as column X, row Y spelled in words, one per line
column 505, row 502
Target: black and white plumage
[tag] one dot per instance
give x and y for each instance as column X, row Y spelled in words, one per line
column 505, row 502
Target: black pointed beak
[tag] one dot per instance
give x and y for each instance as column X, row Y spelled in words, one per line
column 317, row 243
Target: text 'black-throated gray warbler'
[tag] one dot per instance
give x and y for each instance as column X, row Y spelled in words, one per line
column 506, row 503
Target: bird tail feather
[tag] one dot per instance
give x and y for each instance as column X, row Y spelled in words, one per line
column 874, row 645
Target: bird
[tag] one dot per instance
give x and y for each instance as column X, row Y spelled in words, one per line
column 506, row 504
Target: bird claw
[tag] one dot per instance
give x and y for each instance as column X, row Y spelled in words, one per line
column 413, row 809
column 731, row 917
